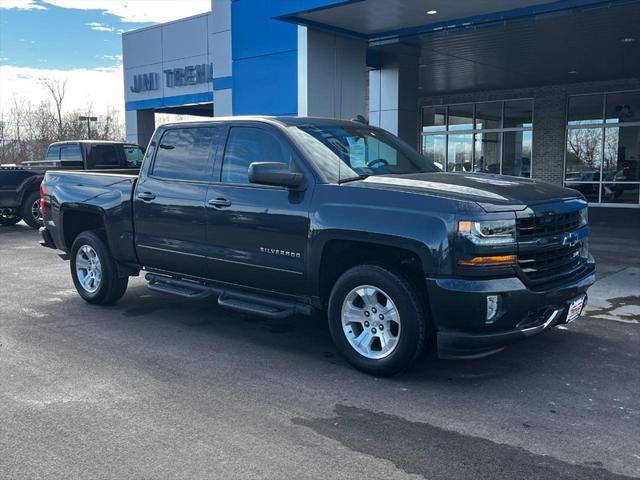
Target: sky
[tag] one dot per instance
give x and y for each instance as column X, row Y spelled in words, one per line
column 76, row 40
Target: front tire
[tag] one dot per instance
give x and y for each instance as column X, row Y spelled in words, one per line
column 30, row 210
column 8, row 217
column 377, row 320
column 94, row 271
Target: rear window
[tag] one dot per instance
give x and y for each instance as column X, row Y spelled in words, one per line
column 70, row 152
column 104, row 156
column 53, row 153
column 183, row 154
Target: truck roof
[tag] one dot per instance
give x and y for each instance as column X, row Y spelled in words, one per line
column 286, row 121
column 92, row 142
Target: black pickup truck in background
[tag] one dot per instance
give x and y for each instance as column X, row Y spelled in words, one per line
column 287, row 216
column 19, row 185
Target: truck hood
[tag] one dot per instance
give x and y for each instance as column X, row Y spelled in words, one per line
column 494, row 193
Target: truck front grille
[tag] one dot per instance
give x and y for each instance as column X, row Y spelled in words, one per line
column 544, row 257
column 551, row 264
column 543, row 225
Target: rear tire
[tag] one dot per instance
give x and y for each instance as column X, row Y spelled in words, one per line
column 94, row 271
column 377, row 320
column 30, row 210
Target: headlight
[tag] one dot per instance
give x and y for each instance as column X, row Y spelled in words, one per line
column 584, row 216
column 489, row 232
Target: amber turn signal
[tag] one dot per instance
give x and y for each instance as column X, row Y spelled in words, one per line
column 491, row 260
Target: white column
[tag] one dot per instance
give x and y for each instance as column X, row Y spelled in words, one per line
column 393, row 95
column 332, row 75
column 140, row 125
column 220, row 56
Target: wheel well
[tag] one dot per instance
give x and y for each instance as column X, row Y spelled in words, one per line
column 75, row 222
column 338, row 256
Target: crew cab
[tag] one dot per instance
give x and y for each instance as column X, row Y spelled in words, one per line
column 284, row 216
column 19, row 185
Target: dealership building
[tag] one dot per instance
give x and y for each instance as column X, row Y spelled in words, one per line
column 547, row 90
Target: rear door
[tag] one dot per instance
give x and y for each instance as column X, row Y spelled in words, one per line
column 169, row 201
column 257, row 235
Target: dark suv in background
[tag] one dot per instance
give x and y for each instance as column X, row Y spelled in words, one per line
column 19, row 185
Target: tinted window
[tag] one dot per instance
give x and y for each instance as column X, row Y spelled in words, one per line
column 585, row 109
column 183, row 154
column 53, row 153
column 71, row 152
column 133, row 155
column 104, row 156
column 488, row 115
column 461, row 117
column 623, row 107
column 434, row 119
column 518, row 113
column 246, row 145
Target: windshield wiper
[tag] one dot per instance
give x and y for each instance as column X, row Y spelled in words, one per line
column 352, row 179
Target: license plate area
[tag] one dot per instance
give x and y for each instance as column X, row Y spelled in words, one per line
column 575, row 308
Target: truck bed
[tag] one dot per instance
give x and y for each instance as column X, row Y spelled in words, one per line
column 105, row 193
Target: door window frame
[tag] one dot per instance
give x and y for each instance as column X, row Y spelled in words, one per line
column 213, row 148
column 279, row 136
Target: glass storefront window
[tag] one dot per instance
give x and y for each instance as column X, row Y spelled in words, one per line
column 487, row 152
column 459, row 153
column 603, row 162
column 490, row 137
column 620, row 193
column 461, row 117
column 584, row 155
column 488, row 115
column 434, row 119
column 591, row 191
column 621, row 155
column 434, row 147
column 517, row 153
column 623, row 107
column 585, row 109
column 518, row 113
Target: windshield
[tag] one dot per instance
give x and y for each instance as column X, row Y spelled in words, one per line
column 344, row 151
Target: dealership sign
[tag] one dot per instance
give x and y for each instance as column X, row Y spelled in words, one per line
column 145, row 82
column 173, row 77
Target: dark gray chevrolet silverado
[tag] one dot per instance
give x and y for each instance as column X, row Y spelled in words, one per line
column 285, row 216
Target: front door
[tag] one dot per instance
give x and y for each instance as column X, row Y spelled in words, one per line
column 169, row 201
column 257, row 235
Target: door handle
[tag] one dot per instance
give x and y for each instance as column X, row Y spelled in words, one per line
column 219, row 203
column 146, row 196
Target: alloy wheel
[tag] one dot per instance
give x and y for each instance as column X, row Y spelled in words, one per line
column 88, row 268
column 370, row 322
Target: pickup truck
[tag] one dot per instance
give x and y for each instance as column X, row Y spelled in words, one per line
column 284, row 216
column 19, row 195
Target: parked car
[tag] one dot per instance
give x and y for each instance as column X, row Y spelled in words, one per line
column 285, row 216
column 19, row 194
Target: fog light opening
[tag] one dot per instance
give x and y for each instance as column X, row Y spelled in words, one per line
column 493, row 305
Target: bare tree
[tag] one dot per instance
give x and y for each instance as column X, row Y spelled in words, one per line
column 57, row 89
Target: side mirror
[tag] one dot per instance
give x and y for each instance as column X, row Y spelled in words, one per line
column 274, row 173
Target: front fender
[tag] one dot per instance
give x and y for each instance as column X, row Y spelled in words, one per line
column 414, row 223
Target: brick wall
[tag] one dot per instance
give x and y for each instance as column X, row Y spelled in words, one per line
column 549, row 117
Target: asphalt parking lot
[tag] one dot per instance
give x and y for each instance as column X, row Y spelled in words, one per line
column 159, row 387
